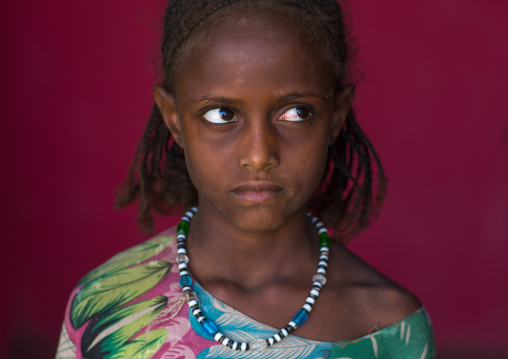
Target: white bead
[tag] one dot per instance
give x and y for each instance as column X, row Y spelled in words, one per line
column 319, row 278
column 310, row 300
column 314, row 292
column 277, row 337
column 226, row 341
column 182, row 266
column 323, row 230
column 217, row 336
column 235, row 345
column 271, row 340
column 323, row 263
column 243, row 347
column 259, row 344
column 292, row 324
column 182, row 258
column 324, row 249
column 307, row 307
column 284, row 332
column 321, row 271
column 182, row 251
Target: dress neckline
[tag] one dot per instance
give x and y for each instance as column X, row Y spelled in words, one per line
column 204, row 294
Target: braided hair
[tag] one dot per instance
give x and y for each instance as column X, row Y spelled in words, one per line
column 354, row 184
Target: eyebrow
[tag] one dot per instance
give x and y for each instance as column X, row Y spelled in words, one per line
column 297, row 95
column 289, row 96
column 207, row 98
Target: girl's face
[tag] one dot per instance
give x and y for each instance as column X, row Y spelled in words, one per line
column 255, row 110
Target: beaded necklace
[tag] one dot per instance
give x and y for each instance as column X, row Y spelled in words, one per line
column 319, row 279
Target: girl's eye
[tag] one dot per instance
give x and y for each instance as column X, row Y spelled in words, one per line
column 220, row 115
column 298, row 113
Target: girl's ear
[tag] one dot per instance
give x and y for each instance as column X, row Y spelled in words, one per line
column 167, row 106
column 342, row 103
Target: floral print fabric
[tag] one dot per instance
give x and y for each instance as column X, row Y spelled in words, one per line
column 132, row 307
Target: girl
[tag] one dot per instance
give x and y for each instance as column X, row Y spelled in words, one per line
column 253, row 124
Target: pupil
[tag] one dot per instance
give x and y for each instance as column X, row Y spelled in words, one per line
column 302, row 112
column 225, row 114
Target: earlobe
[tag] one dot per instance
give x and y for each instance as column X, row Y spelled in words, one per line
column 167, row 106
column 342, row 104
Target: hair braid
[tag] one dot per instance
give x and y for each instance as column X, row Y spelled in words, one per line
column 347, row 204
column 349, row 196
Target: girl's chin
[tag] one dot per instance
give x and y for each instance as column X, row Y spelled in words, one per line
column 255, row 219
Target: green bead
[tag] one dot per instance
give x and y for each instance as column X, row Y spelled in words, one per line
column 324, row 240
column 182, row 228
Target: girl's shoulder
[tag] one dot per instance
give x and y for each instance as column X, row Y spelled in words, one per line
column 113, row 302
column 366, row 293
column 154, row 250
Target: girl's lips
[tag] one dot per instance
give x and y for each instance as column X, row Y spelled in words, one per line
column 256, row 192
column 262, row 196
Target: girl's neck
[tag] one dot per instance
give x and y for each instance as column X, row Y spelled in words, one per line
column 220, row 252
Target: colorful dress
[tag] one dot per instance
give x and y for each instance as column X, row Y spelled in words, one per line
column 132, row 307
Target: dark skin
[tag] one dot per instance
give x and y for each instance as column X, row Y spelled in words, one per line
column 255, row 115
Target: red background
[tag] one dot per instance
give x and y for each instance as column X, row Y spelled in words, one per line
column 76, row 80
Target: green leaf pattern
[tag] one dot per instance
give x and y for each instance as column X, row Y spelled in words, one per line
column 141, row 347
column 128, row 258
column 123, row 323
column 111, row 291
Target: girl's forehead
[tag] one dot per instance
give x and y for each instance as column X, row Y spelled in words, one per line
column 235, row 29
column 259, row 31
column 268, row 33
column 263, row 26
column 256, row 53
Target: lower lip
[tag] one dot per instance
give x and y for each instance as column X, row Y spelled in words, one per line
column 257, row 196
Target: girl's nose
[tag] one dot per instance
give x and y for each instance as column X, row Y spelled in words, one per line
column 259, row 146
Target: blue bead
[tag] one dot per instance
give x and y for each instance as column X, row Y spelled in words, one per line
column 209, row 327
column 300, row 317
column 185, row 281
